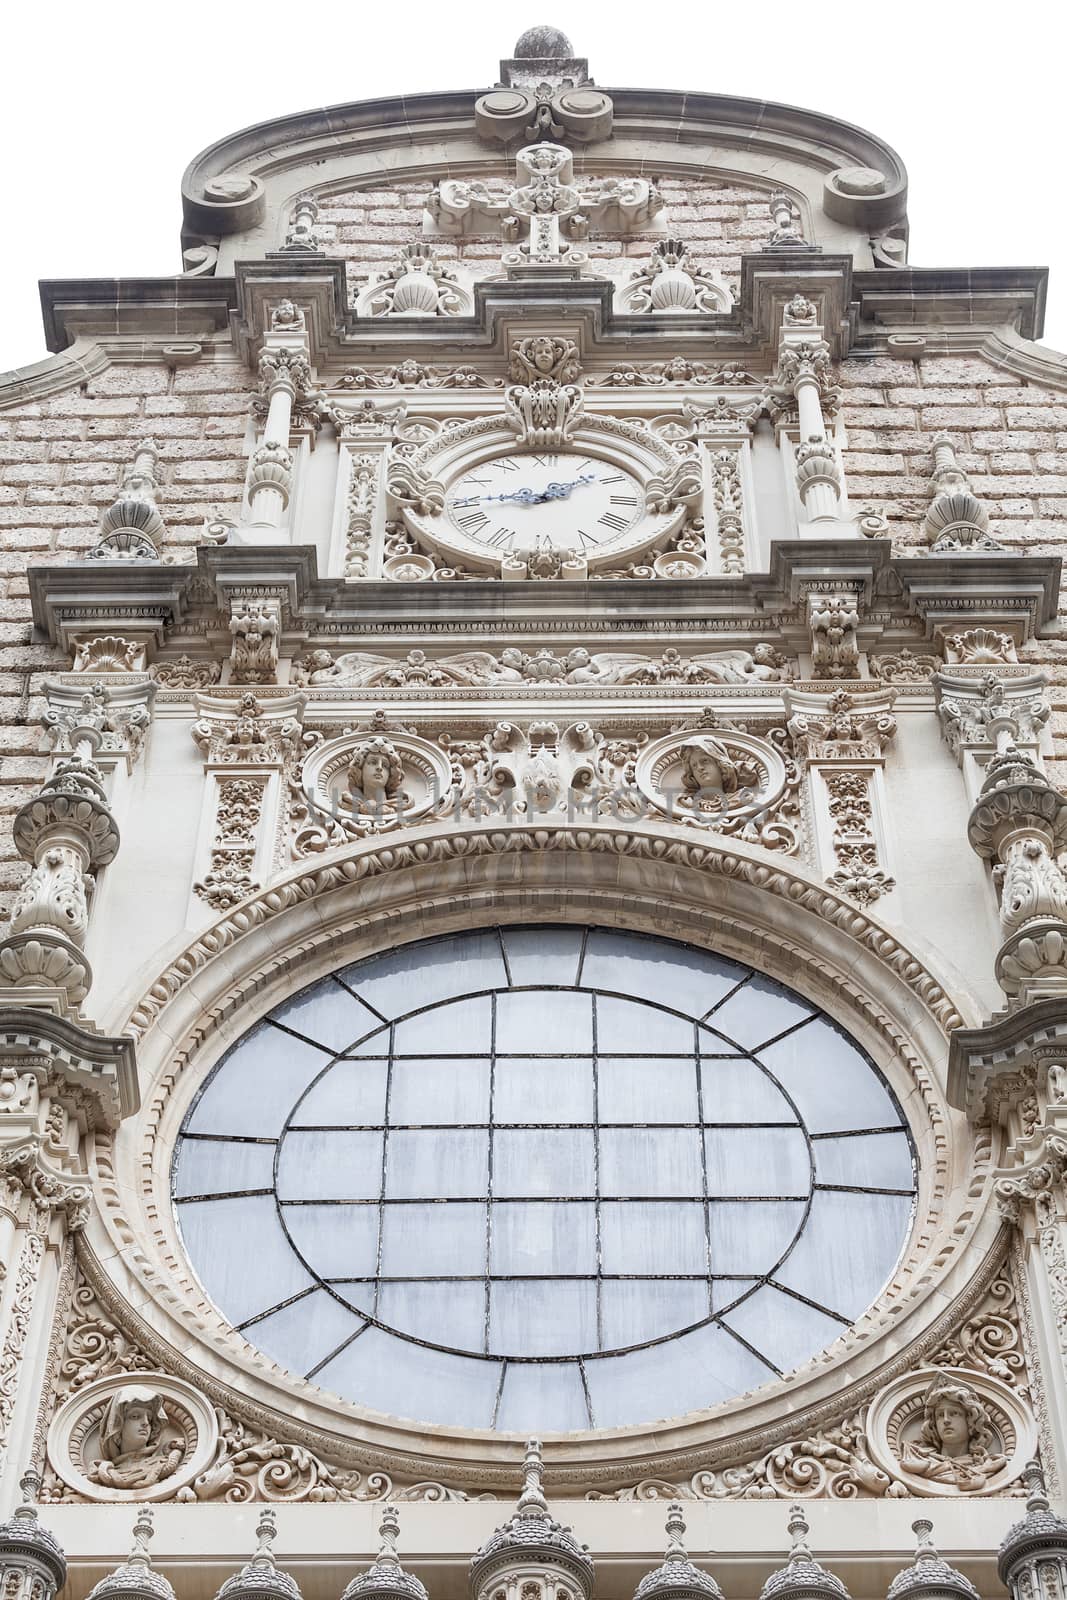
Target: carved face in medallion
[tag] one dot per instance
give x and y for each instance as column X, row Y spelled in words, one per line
column 707, row 768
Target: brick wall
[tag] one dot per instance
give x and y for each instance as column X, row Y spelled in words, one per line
column 61, row 460
column 719, row 222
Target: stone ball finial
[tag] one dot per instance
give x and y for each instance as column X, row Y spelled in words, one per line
column 538, row 43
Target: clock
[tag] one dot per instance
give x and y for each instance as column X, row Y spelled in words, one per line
column 529, row 500
column 602, row 493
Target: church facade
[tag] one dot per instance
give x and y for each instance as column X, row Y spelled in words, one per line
column 533, row 980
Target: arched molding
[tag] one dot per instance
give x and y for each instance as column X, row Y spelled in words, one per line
column 239, row 187
column 733, row 898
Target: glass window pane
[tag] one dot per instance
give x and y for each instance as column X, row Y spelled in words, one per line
column 445, row 1313
column 543, row 955
column 736, row 1090
column 390, row 1374
column 461, row 1027
column 646, row 1090
column 242, row 1257
column 650, row 1161
column 848, row 1249
column 350, row 1092
column 330, row 1166
column 542, row 1237
column 625, row 1025
column 757, row 1012
column 878, row 1160
column 785, row 1331
column 543, row 1161
column 305, row 1333
column 542, row 1397
column 428, row 1240
column 218, row 1166
column 335, row 1241
column 654, row 1236
column 535, row 1318
column 757, row 1161
column 327, row 1013
column 435, row 1166
column 688, row 980
column 638, row 1309
column 448, row 1090
column 548, row 1021
column 254, row 1087
column 748, row 1237
column 830, row 1080
column 542, row 1090
column 418, row 974
column 686, row 1374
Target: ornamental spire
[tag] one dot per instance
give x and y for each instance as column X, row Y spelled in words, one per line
column 31, row 1561
column 678, row 1578
column 385, row 1578
column 531, row 1545
column 802, row 1578
column 135, row 1579
column 261, row 1578
column 929, row 1577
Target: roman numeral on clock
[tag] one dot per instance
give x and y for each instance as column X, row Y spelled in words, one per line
column 616, row 477
column 624, row 499
column 612, row 520
column 501, row 536
column 473, row 522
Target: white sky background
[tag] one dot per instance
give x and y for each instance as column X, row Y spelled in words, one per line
column 103, row 106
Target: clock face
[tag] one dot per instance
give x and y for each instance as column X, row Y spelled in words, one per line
column 534, row 500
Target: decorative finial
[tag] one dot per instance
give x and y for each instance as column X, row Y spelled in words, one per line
column 798, row 1533
column 143, row 1530
column 925, row 1549
column 533, row 1467
column 30, row 1484
column 675, row 1533
column 389, row 1533
column 1036, row 1493
column 266, row 1533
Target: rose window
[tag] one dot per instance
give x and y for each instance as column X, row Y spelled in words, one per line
column 544, row 1177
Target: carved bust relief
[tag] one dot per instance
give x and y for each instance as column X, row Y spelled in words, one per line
column 950, row 1431
column 134, row 1436
column 367, row 783
column 718, row 778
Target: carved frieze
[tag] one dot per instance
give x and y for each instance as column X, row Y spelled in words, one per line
column 513, row 665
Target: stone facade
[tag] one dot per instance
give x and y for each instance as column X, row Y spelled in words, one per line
column 526, row 512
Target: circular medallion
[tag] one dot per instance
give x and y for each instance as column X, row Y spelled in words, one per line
column 710, row 777
column 133, row 1437
column 950, row 1431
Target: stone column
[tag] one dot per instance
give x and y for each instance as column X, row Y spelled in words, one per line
column 66, row 831
column 805, row 374
column 60, row 1086
column 285, row 378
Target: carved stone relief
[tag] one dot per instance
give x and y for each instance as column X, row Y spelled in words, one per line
column 724, row 779
column 366, row 782
column 949, row 1431
column 135, row 1436
column 601, row 669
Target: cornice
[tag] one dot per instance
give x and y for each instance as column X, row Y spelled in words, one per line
column 104, row 1069
column 680, row 117
column 956, row 297
column 157, row 310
